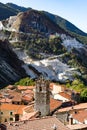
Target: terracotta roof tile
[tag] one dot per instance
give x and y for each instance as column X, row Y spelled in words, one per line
column 52, row 85
column 29, row 108
column 1, row 95
column 25, row 87
column 31, row 115
column 46, row 123
column 80, row 116
column 12, row 107
column 54, row 104
column 80, row 106
column 10, row 87
column 5, row 100
column 77, row 127
column 29, row 92
column 27, row 98
column 65, row 95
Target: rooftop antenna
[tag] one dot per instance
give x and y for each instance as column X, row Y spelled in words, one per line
column 54, row 127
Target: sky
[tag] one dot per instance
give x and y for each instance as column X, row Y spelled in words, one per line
column 75, row 11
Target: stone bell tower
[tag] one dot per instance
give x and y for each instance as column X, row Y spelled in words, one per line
column 42, row 97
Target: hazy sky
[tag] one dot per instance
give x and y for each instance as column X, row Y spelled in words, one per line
column 74, row 11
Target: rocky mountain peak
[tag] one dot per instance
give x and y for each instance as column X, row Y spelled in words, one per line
column 39, row 37
column 32, row 20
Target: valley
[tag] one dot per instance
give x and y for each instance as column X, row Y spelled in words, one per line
column 44, row 48
column 43, row 71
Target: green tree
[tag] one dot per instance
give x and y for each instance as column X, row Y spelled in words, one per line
column 25, row 82
column 84, row 95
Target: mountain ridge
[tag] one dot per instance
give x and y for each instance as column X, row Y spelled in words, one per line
column 34, row 33
column 5, row 11
column 65, row 24
column 53, row 17
column 19, row 8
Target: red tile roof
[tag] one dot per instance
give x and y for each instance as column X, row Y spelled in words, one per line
column 77, row 127
column 80, row 106
column 28, row 92
column 31, row 115
column 5, row 100
column 1, row 95
column 46, row 123
column 25, row 87
column 28, row 98
column 54, row 104
column 10, row 87
column 52, row 84
column 80, row 116
column 12, row 107
column 65, row 95
column 29, row 108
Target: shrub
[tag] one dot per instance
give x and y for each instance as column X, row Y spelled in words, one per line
column 25, row 82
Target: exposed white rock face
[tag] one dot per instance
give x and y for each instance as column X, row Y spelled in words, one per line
column 52, row 69
column 1, row 26
column 70, row 42
column 27, row 60
column 11, row 20
column 22, row 55
column 8, row 24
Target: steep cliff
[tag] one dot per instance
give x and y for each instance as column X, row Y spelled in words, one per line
column 10, row 66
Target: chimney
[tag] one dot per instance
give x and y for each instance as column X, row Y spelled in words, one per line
column 54, row 127
column 70, row 120
column 85, row 121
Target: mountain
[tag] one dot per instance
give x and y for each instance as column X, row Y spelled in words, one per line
column 69, row 27
column 18, row 8
column 5, row 11
column 44, row 47
column 32, row 19
column 65, row 24
column 10, row 9
column 34, row 28
column 11, row 69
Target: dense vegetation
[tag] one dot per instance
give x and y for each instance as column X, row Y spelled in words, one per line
column 69, row 27
column 25, row 82
column 77, row 61
column 6, row 12
column 16, row 7
column 79, row 86
column 37, row 44
column 11, row 9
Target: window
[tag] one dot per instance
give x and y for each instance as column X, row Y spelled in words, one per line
column 5, row 120
column 11, row 119
column 1, row 113
column 40, row 89
column 16, row 117
column 11, row 113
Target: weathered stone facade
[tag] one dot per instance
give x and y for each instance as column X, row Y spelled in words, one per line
column 42, row 97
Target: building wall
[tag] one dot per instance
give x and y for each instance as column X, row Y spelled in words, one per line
column 63, row 117
column 7, row 115
column 42, row 97
column 59, row 97
column 57, row 89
